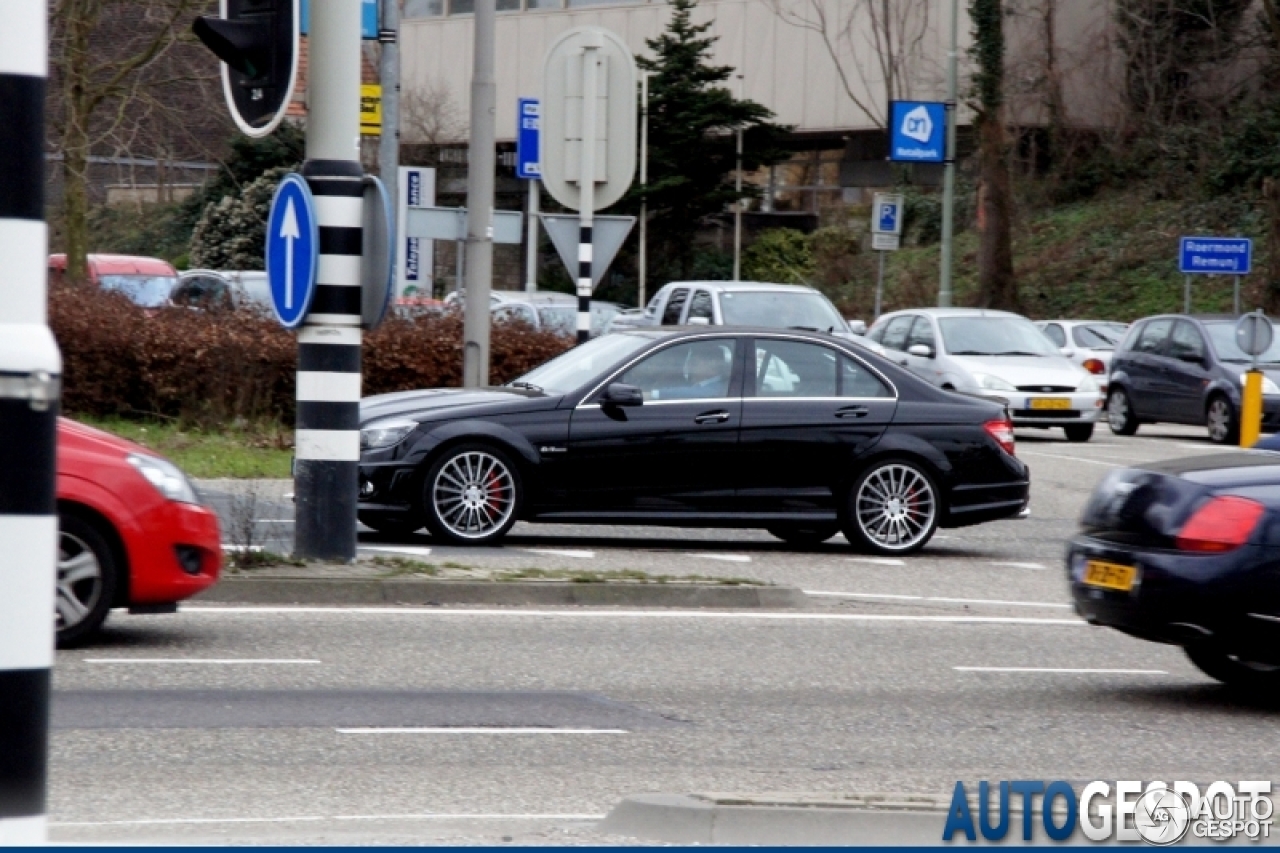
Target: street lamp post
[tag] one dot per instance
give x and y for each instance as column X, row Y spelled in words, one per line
column 737, row 204
column 949, row 173
column 643, row 270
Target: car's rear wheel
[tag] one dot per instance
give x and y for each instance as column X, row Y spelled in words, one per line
column 894, row 508
column 1233, row 670
column 392, row 525
column 804, row 534
column 87, row 579
column 1079, row 432
column 471, row 495
column 1120, row 415
column 1221, row 420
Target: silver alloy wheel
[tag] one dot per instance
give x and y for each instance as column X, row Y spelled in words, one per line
column 1117, row 410
column 895, row 507
column 474, row 494
column 79, row 581
column 1219, row 418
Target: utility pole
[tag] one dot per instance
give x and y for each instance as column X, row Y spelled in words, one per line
column 327, row 445
column 480, row 168
column 949, row 169
column 389, row 77
column 737, row 204
column 30, row 368
column 644, row 183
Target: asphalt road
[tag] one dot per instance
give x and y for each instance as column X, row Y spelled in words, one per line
column 475, row 725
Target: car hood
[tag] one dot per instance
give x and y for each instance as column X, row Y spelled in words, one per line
column 1025, row 370
column 74, row 436
column 435, row 403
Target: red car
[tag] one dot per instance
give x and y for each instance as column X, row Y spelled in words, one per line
column 132, row 532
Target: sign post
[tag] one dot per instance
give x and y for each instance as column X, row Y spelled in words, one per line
column 589, row 141
column 528, row 118
column 1254, row 335
column 886, row 233
column 1231, row 256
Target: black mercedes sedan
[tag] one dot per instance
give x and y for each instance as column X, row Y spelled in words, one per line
column 802, row 434
column 1188, row 552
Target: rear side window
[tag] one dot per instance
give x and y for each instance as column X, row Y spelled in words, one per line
column 895, row 334
column 857, row 381
column 1054, row 333
column 1153, row 335
column 675, row 302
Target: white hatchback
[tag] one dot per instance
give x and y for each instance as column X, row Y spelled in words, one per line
column 995, row 354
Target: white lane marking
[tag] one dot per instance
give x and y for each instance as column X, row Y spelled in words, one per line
column 417, row 550
column 231, row 661
column 553, row 552
column 624, row 614
column 878, row 561
column 978, row 601
column 301, row 818
column 727, row 558
column 476, row 730
column 1073, row 458
column 1205, row 446
column 240, row 549
column 274, row 520
column 1017, row 565
column 1063, row 671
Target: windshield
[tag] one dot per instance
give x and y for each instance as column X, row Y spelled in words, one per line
column 257, row 288
column 779, row 309
column 582, row 364
column 149, row 291
column 559, row 318
column 994, row 336
column 1223, row 335
column 1098, row 335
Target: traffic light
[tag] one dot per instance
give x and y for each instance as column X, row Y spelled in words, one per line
column 258, row 42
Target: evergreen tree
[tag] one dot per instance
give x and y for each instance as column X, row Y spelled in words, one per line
column 693, row 118
column 997, row 286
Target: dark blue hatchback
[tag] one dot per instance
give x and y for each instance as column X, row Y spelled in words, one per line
column 1187, row 370
column 1188, row 552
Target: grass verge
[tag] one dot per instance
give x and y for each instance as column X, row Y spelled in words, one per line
column 236, row 450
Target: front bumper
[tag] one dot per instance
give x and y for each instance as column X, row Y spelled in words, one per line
column 1081, row 408
column 153, row 542
column 1178, row 597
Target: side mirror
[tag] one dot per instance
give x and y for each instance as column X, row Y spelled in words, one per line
column 697, row 321
column 619, row 394
column 858, row 327
column 920, row 351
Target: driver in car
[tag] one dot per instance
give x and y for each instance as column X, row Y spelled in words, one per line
column 706, row 375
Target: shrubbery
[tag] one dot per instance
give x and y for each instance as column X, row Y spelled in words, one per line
column 207, row 368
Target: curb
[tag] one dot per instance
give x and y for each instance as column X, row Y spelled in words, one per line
column 304, row 590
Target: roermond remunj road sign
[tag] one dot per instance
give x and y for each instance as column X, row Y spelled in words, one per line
column 1216, row 255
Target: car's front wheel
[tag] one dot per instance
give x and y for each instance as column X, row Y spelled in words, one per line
column 1233, row 670
column 87, row 578
column 1120, row 415
column 804, row 534
column 1220, row 418
column 893, row 508
column 471, row 495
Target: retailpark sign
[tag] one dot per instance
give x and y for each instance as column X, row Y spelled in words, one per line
column 1215, row 256
column 918, row 131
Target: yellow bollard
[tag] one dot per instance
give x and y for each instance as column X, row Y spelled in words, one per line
column 1251, row 409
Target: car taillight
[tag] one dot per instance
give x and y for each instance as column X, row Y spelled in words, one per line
column 1095, row 366
column 1002, row 432
column 1223, row 524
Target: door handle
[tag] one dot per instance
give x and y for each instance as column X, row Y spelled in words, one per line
column 852, row 412
column 711, row 418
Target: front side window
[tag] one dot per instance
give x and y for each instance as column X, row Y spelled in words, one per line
column 700, row 306
column 1186, row 342
column 922, row 334
column 1153, row 336
column 675, row 304
column 895, row 334
column 698, row 370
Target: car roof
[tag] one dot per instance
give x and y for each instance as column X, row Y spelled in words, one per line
column 744, row 286
column 1083, row 322
column 120, row 264
column 660, row 332
column 955, row 312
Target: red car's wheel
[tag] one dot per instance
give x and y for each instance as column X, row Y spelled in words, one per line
column 87, row 577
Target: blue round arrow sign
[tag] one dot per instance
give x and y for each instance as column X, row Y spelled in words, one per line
column 293, row 250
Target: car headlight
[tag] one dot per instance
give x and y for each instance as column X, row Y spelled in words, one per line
column 385, row 434
column 987, row 382
column 1088, row 384
column 1268, row 385
column 166, row 477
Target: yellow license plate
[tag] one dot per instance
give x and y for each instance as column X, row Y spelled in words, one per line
column 1051, row 403
column 1109, row 575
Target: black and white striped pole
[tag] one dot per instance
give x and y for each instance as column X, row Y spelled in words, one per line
column 29, row 381
column 327, row 439
column 591, row 45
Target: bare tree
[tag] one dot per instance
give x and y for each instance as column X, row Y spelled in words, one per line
column 874, row 45
column 997, row 287
column 114, row 74
column 428, row 114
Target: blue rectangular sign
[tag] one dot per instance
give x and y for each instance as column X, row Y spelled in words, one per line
column 368, row 18
column 528, row 129
column 1215, row 255
column 918, row 132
